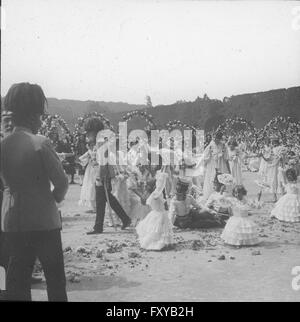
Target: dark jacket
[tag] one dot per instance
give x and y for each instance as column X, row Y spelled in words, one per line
column 28, row 165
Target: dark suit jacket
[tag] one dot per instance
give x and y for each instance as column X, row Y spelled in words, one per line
column 28, row 165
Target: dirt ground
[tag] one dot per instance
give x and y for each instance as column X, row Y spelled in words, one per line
column 112, row 267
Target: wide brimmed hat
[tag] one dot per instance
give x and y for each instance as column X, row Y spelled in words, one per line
column 226, row 179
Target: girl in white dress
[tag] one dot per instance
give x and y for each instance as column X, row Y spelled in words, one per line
column 155, row 231
column 120, row 187
column 92, row 126
column 263, row 164
column 287, row 207
column 215, row 157
column 235, row 162
column 273, row 163
column 88, row 191
column 137, row 182
column 218, row 199
column 240, row 230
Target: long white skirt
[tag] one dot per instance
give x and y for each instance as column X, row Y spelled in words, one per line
column 155, row 231
column 88, row 190
column 240, row 231
column 287, row 208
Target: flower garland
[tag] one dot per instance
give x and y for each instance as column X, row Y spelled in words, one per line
column 171, row 125
column 79, row 132
column 237, row 124
column 284, row 125
column 56, row 129
column 138, row 113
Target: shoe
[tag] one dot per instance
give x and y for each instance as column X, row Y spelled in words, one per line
column 126, row 224
column 94, row 232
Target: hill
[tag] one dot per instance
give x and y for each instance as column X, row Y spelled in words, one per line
column 203, row 112
column 209, row 113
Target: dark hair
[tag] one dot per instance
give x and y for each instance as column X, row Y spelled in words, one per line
column 93, row 124
column 216, row 181
column 239, row 188
column 291, row 153
column 276, row 141
column 182, row 188
column 160, row 161
column 219, row 135
column 233, row 142
column 291, row 175
column 25, row 100
column 151, row 185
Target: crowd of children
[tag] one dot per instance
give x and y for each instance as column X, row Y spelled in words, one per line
column 159, row 199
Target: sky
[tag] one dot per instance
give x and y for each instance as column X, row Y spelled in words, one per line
column 123, row 50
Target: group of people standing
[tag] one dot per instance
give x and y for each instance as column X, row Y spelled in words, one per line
column 155, row 199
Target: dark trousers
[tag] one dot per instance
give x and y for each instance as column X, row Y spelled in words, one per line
column 3, row 244
column 24, row 248
column 4, row 257
column 101, row 204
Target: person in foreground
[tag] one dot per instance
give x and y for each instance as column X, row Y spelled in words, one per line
column 30, row 217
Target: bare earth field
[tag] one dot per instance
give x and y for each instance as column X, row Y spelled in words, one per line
column 112, row 267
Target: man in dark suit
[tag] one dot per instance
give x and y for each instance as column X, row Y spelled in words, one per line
column 105, row 174
column 6, row 129
column 30, row 217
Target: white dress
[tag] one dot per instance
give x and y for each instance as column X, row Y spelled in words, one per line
column 272, row 170
column 215, row 157
column 240, row 230
column 263, row 163
column 155, row 231
column 137, row 211
column 120, row 191
column 287, row 208
column 235, row 163
column 88, row 190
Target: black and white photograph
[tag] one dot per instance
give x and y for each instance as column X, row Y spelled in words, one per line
column 150, row 153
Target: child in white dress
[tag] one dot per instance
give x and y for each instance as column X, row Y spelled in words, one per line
column 120, row 188
column 217, row 201
column 137, row 197
column 240, row 230
column 287, row 207
column 88, row 191
column 235, row 162
column 155, row 230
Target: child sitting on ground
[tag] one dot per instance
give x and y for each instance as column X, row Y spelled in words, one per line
column 186, row 212
column 217, row 200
